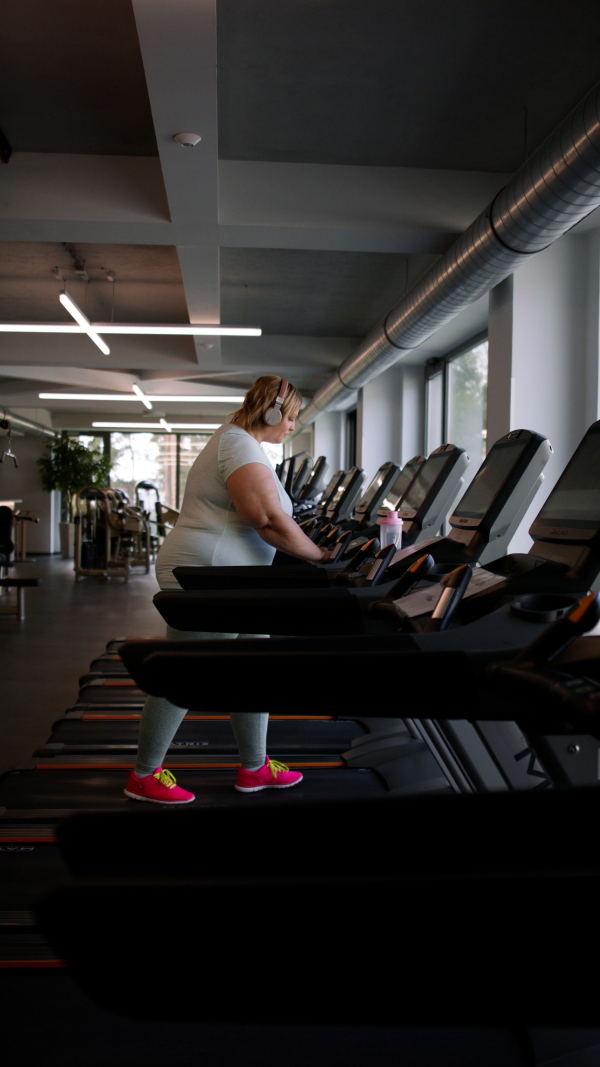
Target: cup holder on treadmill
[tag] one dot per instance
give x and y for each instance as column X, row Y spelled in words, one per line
column 543, row 607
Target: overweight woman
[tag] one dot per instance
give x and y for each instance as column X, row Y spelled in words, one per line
column 235, row 512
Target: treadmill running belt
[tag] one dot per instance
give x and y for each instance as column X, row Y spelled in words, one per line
column 333, row 736
column 47, row 791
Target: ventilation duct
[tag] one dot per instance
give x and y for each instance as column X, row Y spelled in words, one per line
column 28, row 426
column 557, row 187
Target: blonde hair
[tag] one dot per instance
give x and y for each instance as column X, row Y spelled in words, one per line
column 260, row 397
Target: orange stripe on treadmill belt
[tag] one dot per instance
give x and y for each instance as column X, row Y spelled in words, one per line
column 209, row 718
column 5, row 964
column 179, row 767
column 28, row 840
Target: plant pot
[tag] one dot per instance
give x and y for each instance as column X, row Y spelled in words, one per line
column 67, row 539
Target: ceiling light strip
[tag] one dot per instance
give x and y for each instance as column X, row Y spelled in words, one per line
column 131, row 329
column 127, row 397
column 193, row 330
column 156, row 425
column 83, row 321
column 138, row 392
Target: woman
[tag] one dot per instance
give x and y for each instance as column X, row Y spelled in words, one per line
column 235, row 512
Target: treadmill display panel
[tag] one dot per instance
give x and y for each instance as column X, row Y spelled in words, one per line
column 574, row 503
column 426, row 477
column 337, row 496
column 327, row 492
column 489, row 479
column 398, row 489
column 372, row 489
column 319, row 469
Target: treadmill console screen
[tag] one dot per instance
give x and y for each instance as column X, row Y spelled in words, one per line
column 319, row 469
column 337, row 496
column 489, row 479
column 420, row 487
column 372, row 489
column 330, row 486
column 396, row 492
column 575, row 500
column 284, row 470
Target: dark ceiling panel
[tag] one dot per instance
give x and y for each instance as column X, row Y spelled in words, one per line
column 147, row 287
column 72, row 79
column 464, row 85
column 326, row 294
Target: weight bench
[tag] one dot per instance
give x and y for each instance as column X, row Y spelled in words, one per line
column 20, row 584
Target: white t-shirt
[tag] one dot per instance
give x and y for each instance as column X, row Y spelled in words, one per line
column 209, row 531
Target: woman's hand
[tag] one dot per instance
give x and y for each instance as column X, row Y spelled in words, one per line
column 254, row 496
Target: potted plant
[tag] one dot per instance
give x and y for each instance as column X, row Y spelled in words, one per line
column 69, row 466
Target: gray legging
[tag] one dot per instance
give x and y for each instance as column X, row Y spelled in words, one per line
column 160, row 721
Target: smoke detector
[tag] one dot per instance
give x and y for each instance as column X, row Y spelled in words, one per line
column 187, row 140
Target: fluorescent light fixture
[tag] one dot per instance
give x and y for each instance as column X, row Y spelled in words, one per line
column 130, row 329
column 185, row 399
column 138, row 392
column 156, row 425
column 165, row 425
column 83, row 321
column 189, row 399
column 182, row 330
column 40, row 327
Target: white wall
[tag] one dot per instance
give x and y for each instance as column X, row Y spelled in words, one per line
column 543, row 352
column 301, row 442
column 390, row 418
column 329, row 439
column 22, row 483
column 412, row 432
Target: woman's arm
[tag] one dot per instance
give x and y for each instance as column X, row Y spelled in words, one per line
column 254, row 495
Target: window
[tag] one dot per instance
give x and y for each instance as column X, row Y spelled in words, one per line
column 161, row 458
column 190, row 445
column 99, row 442
column 274, row 453
column 466, row 401
column 456, row 401
column 434, row 415
column 150, row 457
column 351, row 432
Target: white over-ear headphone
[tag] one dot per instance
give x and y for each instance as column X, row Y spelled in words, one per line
column 273, row 416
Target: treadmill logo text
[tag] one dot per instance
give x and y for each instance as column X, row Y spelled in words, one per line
column 533, row 768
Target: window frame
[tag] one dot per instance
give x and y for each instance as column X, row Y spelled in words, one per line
column 440, row 365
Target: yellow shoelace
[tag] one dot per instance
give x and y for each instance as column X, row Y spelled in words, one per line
column 165, row 778
column 276, row 768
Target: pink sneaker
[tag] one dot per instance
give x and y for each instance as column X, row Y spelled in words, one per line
column 272, row 775
column 158, row 788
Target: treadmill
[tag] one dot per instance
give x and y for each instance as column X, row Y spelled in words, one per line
column 312, row 489
column 397, row 764
column 533, row 852
column 437, row 840
column 368, row 503
column 390, row 501
column 565, row 555
column 339, row 506
column 483, row 750
column 431, row 493
column 493, row 505
column 98, row 727
column 435, row 481
column 491, row 754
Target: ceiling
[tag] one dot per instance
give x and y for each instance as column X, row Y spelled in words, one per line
column 344, row 146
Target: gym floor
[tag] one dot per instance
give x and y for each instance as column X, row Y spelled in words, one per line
column 66, row 625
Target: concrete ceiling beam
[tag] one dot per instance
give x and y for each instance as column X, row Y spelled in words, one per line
column 178, row 42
